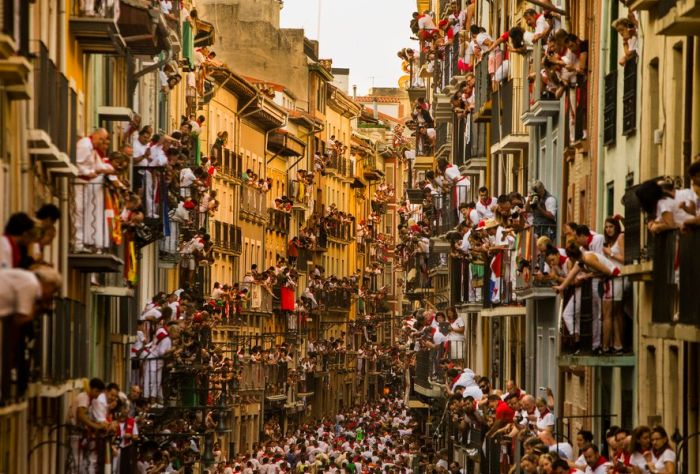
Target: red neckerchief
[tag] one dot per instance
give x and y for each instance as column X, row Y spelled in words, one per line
column 588, row 241
column 544, row 413
column 16, row 254
column 562, row 260
column 487, row 203
column 601, row 460
column 454, row 379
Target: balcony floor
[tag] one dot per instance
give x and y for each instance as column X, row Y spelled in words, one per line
column 590, row 360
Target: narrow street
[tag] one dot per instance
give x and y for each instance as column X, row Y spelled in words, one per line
column 396, row 237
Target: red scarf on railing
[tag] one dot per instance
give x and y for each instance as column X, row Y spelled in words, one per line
column 128, row 430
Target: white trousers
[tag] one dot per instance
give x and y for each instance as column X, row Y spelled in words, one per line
column 89, row 216
column 152, row 379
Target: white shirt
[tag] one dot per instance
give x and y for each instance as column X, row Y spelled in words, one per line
column 139, row 151
column 158, row 157
column 545, row 421
column 99, row 408
column 667, row 456
column 602, row 469
column 455, row 336
column 564, row 450
column 541, row 24
column 426, row 23
column 20, row 290
column 187, row 177
column 166, row 6
column 486, row 210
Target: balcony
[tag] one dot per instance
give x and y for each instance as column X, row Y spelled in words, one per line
column 227, row 237
column 258, row 299
column 443, row 212
column 97, row 31
column 677, row 17
column 445, row 70
column 59, row 354
column 52, row 139
column 577, row 322
column 252, row 204
column 143, row 29
column 689, row 278
column 335, row 299
column 638, row 5
column 508, row 133
column 418, row 280
column 430, row 375
column 482, row 93
column 340, row 230
column 500, row 280
column 231, row 164
column 14, row 70
column 283, row 143
column 538, row 104
column 96, row 233
column 664, row 279
column 150, row 184
column 467, row 283
column 278, row 220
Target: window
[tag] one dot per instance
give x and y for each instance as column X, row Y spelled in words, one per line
column 629, row 98
column 610, row 109
column 610, row 198
column 653, row 95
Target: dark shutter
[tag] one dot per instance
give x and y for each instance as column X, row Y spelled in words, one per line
column 610, row 109
column 629, row 98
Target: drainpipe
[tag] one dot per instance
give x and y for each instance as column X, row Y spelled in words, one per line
column 688, row 106
column 605, row 43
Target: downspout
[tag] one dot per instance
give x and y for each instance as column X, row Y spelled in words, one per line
column 688, row 114
column 267, row 136
column 602, row 60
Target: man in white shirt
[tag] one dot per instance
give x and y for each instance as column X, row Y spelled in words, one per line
column 596, row 464
column 153, row 377
column 486, row 205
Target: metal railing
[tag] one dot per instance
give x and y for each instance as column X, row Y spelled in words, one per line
column 500, row 271
column 629, row 98
column 467, row 281
column 252, row 200
column 94, row 218
column 258, row 298
column 482, row 93
column 339, row 229
column 94, row 9
column 664, row 277
column 55, row 114
column 689, row 279
column 335, row 298
column 279, row 220
column 417, row 276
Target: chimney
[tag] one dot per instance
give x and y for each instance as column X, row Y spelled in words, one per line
column 375, row 104
column 354, row 91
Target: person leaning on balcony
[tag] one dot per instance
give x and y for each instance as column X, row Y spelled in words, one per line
column 693, row 192
column 627, row 29
column 20, row 233
column 538, row 22
column 543, row 208
column 47, row 217
column 88, row 214
column 670, row 214
column 602, row 269
column 486, row 204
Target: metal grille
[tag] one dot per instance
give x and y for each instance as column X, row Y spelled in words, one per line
column 664, row 276
column 633, row 226
column 689, row 277
column 610, row 109
column 629, row 98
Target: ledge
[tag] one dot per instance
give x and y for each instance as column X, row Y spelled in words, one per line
column 597, row 360
column 681, row 332
column 95, row 263
column 427, row 391
column 638, row 271
column 536, row 293
column 503, row 311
